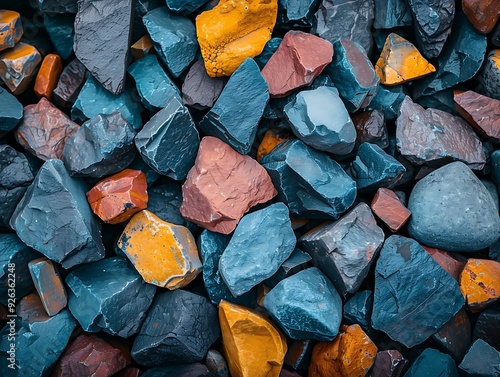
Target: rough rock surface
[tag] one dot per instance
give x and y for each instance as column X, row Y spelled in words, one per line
column 481, row 360
column 479, row 283
column 199, row 90
column 11, row 28
column 70, row 82
column 483, row 14
column 432, row 363
column 388, row 208
column 455, row 337
column 390, row 14
column 18, row 65
column 11, row 111
column 388, row 363
column 489, row 76
column 371, row 127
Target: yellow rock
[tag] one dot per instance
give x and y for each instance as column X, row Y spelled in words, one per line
column 233, row 31
column 164, row 254
column 253, row 347
column 400, row 62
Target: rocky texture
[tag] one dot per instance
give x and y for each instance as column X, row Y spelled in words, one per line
column 18, row 65
column 60, row 28
column 389, row 209
column 388, row 100
column 489, row 76
column 481, row 360
column 48, row 76
column 142, row 48
column 389, row 363
column 11, row 111
column 70, row 83
column 358, row 310
column 271, row 139
column 296, row 262
column 487, row 326
column 48, row 284
column 216, row 364
column 11, row 29
column 432, row 363
column 451, row 263
column 479, row 283
column 298, row 355
column 269, row 49
column 390, row 14
column 483, row 14
column 185, row 7
column 199, row 90
column 58, row 6
column 296, row 15
column 454, row 338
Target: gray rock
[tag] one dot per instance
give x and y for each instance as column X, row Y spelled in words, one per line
column 199, row 90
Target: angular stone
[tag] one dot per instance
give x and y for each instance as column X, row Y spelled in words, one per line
column 432, row 363
column 390, row 14
column 389, row 209
column 180, row 328
column 299, row 354
column 487, row 326
column 48, row 76
column 296, row 15
column 58, row 6
column 199, row 90
column 489, row 77
column 452, row 210
column 388, row 100
column 216, row 364
column 141, row 8
column 358, row 310
column 319, row 118
column 30, row 309
column 174, row 262
column 11, row 28
column 185, row 7
column 271, row 139
column 48, row 284
column 129, row 372
column 480, row 284
column 435, row 137
column 483, row 14
column 262, row 241
column 18, row 66
column 451, row 263
column 142, row 47
column 233, row 31
column 11, row 111
column 60, row 28
column 74, row 234
column 308, row 181
column 410, row 306
column 181, row 370
column 299, row 59
column 344, row 250
column 174, row 38
column 389, row 363
column 454, row 337
column 70, row 83
column 296, row 262
column 252, row 346
column 234, row 184
column 481, row 360
column 269, row 49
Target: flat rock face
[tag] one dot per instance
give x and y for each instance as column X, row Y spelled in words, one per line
column 410, row 306
column 388, row 100
column 358, row 310
column 452, row 210
column 60, row 28
column 479, row 283
column 199, row 90
column 70, row 82
column 391, row 13
column 269, row 49
column 388, row 208
column 11, row 111
column 388, row 363
column 455, row 337
column 489, row 77
column 483, row 14
column 371, row 127
column 48, row 284
column 481, row 360
column 432, row 363
column 48, row 76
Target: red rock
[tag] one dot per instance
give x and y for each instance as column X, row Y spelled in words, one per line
column 370, row 127
column 287, row 373
column 389, row 209
column 299, row 59
column 455, row 336
column 30, row 309
column 483, row 14
column 222, row 186
column 451, row 263
column 388, row 363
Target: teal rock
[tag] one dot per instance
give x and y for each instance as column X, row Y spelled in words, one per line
column 358, row 310
column 391, row 13
column 234, row 119
column 432, row 363
column 409, row 305
column 442, row 100
column 319, row 118
column 452, row 210
column 492, row 189
column 482, row 360
column 180, row 370
column 296, row 262
column 58, row 6
column 489, row 77
column 216, row 364
column 296, row 15
column 109, row 295
column 199, row 90
column 170, row 133
column 11, row 111
column 299, row 353
column 306, row 306
column 153, row 85
column 57, row 199
column 174, row 38
column 269, row 49
column 185, row 7
column 388, row 100
column 261, row 242
column 308, row 181
column 141, row 8
column 61, row 31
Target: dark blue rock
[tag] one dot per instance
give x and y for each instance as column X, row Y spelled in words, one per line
column 169, row 134
column 269, row 49
column 298, row 355
column 296, row 262
column 452, row 210
column 489, row 77
column 55, row 218
column 180, row 328
column 185, row 7
column 234, row 118
column 306, row 306
column 482, row 360
column 442, row 100
column 261, row 242
column 410, row 305
column 296, row 15
column 141, row 8
column 216, row 364
column 308, row 181
column 174, row 38
column 358, row 310
column 487, row 326
column 388, row 99
column 432, row 363
column 58, row 6
column 60, row 28
column 11, row 111
column 391, row 13
column 181, row 370
column 71, row 81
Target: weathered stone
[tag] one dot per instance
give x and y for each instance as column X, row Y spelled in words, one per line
column 358, row 310
column 410, row 306
column 11, row 111
column 271, row 139
column 185, row 7
column 389, row 209
column 11, row 28
column 344, row 250
column 296, row 262
column 179, row 328
column 142, row 48
column 391, row 13
column 234, row 184
column 216, row 364
column 299, row 354
column 181, row 370
column 432, row 363
column 481, row 360
column 58, row 6
column 296, row 15
column 487, row 326
column 483, row 14
column 70, row 83
column 389, row 363
column 30, row 309
column 479, row 283
column 56, row 199
column 454, row 337
column 489, row 76
column 269, row 49
column 18, row 66
column 199, row 90
column 452, row 210
column 48, row 76
column 451, row 263
column 388, row 100
column 48, row 284
column 141, row 8
column 60, row 28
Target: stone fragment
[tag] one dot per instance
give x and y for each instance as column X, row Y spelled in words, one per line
column 262, row 241
column 410, row 306
column 60, row 28
column 296, row 262
column 299, row 354
column 234, row 184
column 199, row 90
column 454, row 337
column 481, row 360
column 271, row 139
column 11, row 28
column 495, row 36
column 30, row 309
column 344, row 250
column 11, row 111
column 252, row 346
column 358, row 310
column 480, row 283
column 388, row 100
column 452, row 210
column 451, row 263
column 70, row 83
column 18, row 66
column 141, row 8
column 216, row 364
column 48, row 76
column 432, row 363
column 296, row 15
column 58, row 6
column 180, row 328
column 487, row 326
column 142, row 47
column 129, row 372
column 390, row 14
column 48, row 284
column 56, row 199
column 389, row 363
column 389, row 209
column 489, row 76
column 269, row 49
column 482, row 14
column 164, row 254
column 299, row 59
column 185, row 7
column 180, row 370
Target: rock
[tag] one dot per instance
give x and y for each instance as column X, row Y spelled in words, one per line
column 299, row 59
column 452, row 210
column 396, row 271
column 175, row 262
column 442, row 100
column 216, row 364
column 296, row 262
column 251, row 344
column 129, row 372
column 319, row 118
column 269, row 49
column 181, row 370
column 306, row 306
column 299, row 354
column 435, row 137
column 271, row 139
column 101, row 146
column 391, row 14
column 432, row 363
column 388, row 100
column 495, row 36
column 11, row 29
column 11, row 111
column 389, row 363
column 180, row 328
column 454, row 337
column 262, row 241
column 234, row 184
column 487, row 326
column 358, row 310
column 233, row 31
column 199, row 90
column 58, row 6
column 297, row 15
column 60, row 28
column 482, row 14
column 308, row 181
column 18, row 66
column 344, row 250
column 48, row 76
column 141, row 8
column 70, row 83
column 143, row 47
column 74, row 235
column 451, row 263
column 30, row 309
column 174, row 38
column 48, row 284
column 479, row 283
column 481, row 360
column 489, row 76
column 389, row 209
column 185, row 7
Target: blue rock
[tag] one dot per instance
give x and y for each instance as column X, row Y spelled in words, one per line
column 185, row 7
column 261, row 242
column 414, row 296
column 306, row 306
column 11, row 111
column 388, row 99
column 234, row 118
column 489, row 77
column 170, row 133
column 296, row 262
column 216, row 364
column 482, row 360
column 58, row 6
column 181, row 370
column 139, row 164
column 432, row 363
column 296, row 15
column 391, row 13
column 452, row 210
column 319, row 118
column 141, row 8
column 308, row 181
column 358, row 310
column 492, row 189
column 174, row 38
column 269, row 49
column 60, row 28
column 442, row 100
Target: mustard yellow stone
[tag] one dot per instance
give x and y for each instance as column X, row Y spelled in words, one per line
column 164, row 254
column 400, row 61
column 233, row 31
column 252, row 345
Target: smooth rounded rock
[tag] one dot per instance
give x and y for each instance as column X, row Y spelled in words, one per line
column 48, row 76
column 48, row 284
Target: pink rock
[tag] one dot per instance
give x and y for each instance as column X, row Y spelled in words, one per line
column 222, row 186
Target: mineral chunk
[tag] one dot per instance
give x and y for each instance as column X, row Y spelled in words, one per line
column 432, row 363
column 454, row 337
column 390, row 14
column 388, row 100
column 388, row 363
column 296, row 14
column 48, row 76
column 58, row 6
column 185, row 7
column 296, row 262
column 479, row 283
column 142, row 47
column 298, row 355
column 11, row 111
column 389, row 209
column 11, row 28
column 483, row 14
column 358, row 310
column 18, row 65
column 216, row 364
column 199, row 90
column 271, row 139
column 451, row 263
column 489, row 77
column 487, row 326
column 268, row 51
column 70, row 83
column 60, row 28
column 481, row 360
column 48, row 284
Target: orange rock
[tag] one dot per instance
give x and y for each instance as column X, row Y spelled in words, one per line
column 400, row 61
column 142, row 47
column 271, row 139
column 483, row 14
column 30, row 309
column 48, row 284
column 233, row 31
column 262, row 291
column 118, row 197
column 350, row 354
column 18, row 66
column 480, row 283
column 252, row 345
column 164, row 254
column 389, row 209
column 11, row 29
column 48, row 76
